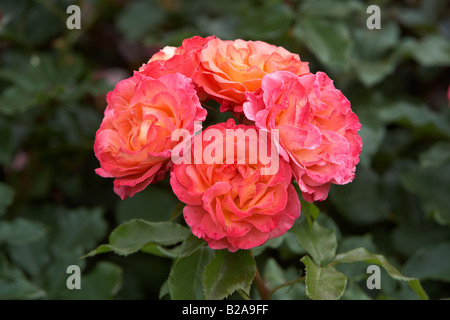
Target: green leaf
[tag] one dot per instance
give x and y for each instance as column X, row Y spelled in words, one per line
column 132, row 236
column 228, row 272
column 372, row 133
column 310, row 210
column 355, row 271
column 329, row 40
column 14, row 284
column 415, row 115
column 21, row 231
column 87, row 226
column 353, row 242
column 139, row 18
column 6, row 197
column 436, row 156
column 323, row 283
column 362, row 255
column 164, row 290
column 151, row 204
column 430, row 263
column 354, row 292
column 177, row 211
column 273, row 243
column 223, row 26
column 38, row 79
column 372, row 44
column 19, row 288
column 430, row 51
column 274, row 276
column 319, row 242
column 32, row 25
column 424, row 15
column 74, row 125
column 407, row 238
column 372, row 72
column 270, row 21
column 361, row 201
column 291, row 245
column 331, row 9
column 25, row 75
column 14, row 100
column 157, row 250
column 374, row 54
column 185, row 278
column 190, row 245
column 431, row 186
column 31, row 257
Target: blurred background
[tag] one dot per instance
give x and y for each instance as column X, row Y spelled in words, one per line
column 53, row 82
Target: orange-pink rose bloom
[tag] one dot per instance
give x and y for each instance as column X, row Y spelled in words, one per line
column 233, row 205
column 133, row 143
column 229, row 69
column 317, row 128
column 183, row 59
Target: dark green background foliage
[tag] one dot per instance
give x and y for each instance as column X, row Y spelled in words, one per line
column 53, row 82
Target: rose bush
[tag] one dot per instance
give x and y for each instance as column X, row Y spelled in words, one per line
column 53, row 208
column 231, row 204
column 133, row 143
column 233, row 195
column 235, row 205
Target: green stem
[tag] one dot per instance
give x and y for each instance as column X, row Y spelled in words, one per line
column 284, row 285
column 244, row 295
column 261, row 287
column 259, row 282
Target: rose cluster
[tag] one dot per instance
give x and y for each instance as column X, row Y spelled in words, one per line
column 236, row 195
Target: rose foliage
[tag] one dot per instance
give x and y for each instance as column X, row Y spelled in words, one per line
column 224, row 168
